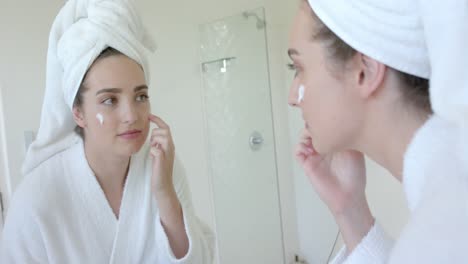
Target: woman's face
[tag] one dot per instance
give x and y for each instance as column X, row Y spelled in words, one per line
column 115, row 110
column 330, row 105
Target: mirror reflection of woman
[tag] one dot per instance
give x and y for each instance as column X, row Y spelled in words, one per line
column 101, row 185
column 362, row 85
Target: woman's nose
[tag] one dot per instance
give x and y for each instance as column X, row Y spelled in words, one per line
column 129, row 114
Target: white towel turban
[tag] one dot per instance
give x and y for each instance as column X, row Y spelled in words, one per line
column 80, row 32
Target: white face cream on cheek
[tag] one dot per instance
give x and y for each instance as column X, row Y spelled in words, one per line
column 300, row 94
column 100, row 118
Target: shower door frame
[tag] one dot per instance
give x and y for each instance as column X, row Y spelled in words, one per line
column 5, row 183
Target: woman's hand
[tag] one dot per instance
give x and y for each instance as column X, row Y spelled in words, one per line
column 340, row 180
column 170, row 210
column 163, row 151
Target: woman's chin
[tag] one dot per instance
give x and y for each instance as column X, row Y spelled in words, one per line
column 322, row 147
column 131, row 149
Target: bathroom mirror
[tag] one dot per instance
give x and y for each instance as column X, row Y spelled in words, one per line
column 219, row 79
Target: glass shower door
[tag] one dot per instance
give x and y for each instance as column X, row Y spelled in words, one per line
column 240, row 134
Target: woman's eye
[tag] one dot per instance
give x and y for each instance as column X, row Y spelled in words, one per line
column 109, row 101
column 142, row 97
column 293, row 67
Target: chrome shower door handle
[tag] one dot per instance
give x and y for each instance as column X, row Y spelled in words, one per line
column 255, row 140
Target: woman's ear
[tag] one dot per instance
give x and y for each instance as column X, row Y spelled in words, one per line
column 78, row 117
column 371, row 75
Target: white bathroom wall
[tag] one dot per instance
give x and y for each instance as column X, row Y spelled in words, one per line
column 24, row 26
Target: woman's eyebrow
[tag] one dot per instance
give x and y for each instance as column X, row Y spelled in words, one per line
column 109, row 90
column 118, row 90
column 141, row 87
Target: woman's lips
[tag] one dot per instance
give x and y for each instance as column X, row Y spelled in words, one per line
column 131, row 134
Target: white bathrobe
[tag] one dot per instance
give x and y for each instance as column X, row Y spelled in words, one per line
column 436, row 187
column 59, row 214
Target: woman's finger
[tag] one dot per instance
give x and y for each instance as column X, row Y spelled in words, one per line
column 158, row 121
column 304, row 149
column 160, row 132
column 163, row 141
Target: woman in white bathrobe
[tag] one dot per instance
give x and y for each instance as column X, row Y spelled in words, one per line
column 102, row 193
column 362, row 70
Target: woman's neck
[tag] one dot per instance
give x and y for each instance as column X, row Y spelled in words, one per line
column 387, row 138
column 110, row 170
